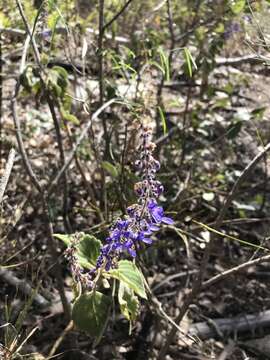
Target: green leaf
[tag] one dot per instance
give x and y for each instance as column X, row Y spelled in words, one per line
column 129, row 303
column 88, row 249
column 258, row 112
column 27, row 78
column 67, row 239
column 158, row 66
column 163, row 120
column 110, row 168
column 131, row 276
column 189, row 61
column 58, row 78
column 237, row 6
column 62, row 73
column 164, row 60
column 233, row 130
column 69, row 117
column 90, row 312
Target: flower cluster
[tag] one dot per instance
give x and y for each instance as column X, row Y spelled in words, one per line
column 144, row 217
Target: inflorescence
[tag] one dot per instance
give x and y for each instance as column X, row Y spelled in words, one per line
column 142, row 219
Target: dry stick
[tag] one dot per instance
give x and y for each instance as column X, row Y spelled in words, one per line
column 100, row 61
column 221, row 327
column 60, row 339
column 63, row 31
column 101, row 33
column 5, row 177
column 1, row 94
column 234, row 270
column 116, row 16
column 185, row 118
column 52, row 111
column 170, row 21
column 162, row 80
column 198, row 285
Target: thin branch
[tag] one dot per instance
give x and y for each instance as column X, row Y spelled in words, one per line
column 223, row 327
column 171, row 29
column 4, row 179
column 100, row 56
column 1, row 94
column 17, row 125
column 234, row 270
column 59, row 340
column 28, row 30
column 116, row 16
column 37, row 185
column 101, row 78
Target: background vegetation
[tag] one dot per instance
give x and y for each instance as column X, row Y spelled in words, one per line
column 74, row 78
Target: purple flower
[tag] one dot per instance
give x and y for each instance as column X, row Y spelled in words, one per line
column 157, row 213
column 142, row 236
column 130, row 247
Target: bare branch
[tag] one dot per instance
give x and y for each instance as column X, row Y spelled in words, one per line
column 7, row 172
column 116, row 16
column 234, row 270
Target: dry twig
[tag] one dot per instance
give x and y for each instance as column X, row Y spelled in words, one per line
column 4, row 179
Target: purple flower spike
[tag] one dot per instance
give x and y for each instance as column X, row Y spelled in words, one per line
column 143, row 218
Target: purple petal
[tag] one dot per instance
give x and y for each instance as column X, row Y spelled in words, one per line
column 147, row 232
column 132, row 252
column 153, row 227
column 108, row 265
column 151, row 204
column 116, row 234
column 167, row 220
column 147, row 240
column 157, row 214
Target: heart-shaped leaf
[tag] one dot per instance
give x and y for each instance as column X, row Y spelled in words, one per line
column 90, row 312
column 128, row 272
column 88, row 248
